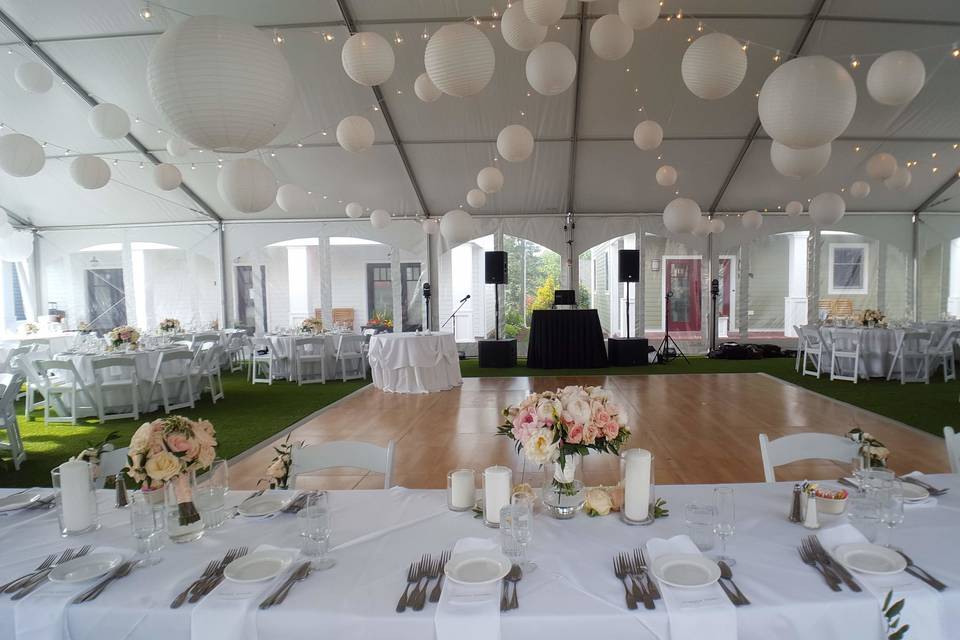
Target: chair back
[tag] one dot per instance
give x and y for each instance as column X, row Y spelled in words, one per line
column 915, row 342
column 952, row 440
column 10, row 362
column 60, row 368
column 846, row 339
column 804, row 446
column 28, row 366
column 350, row 346
column 947, row 342
column 343, row 453
column 261, row 345
column 811, row 336
column 112, row 462
column 9, row 389
column 113, row 368
column 174, row 364
column 309, row 346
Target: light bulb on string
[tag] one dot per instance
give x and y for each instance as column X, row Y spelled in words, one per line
column 956, row 52
column 854, row 62
column 857, row 148
column 115, row 162
column 141, row 165
column 277, row 38
column 776, row 56
column 476, row 21
column 745, row 45
column 679, row 14
column 933, row 155
column 397, row 37
column 300, row 144
column 495, row 13
column 699, row 27
column 425, row 35
column 145, row 13
column 193, row 166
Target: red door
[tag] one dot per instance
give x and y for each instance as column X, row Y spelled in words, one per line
column 683, row 280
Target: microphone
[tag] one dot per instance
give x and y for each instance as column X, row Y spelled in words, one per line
column 467, row 297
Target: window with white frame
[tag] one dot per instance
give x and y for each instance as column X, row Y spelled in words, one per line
column 848, row 268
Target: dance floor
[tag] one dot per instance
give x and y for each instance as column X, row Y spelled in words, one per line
column 700, row 428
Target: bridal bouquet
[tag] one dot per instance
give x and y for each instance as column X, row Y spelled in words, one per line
column 123, row 335
column 312, row 325
column 169, row 325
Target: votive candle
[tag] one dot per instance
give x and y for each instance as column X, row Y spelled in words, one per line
column 636, row 484
column 497, row 487
column 461, row 489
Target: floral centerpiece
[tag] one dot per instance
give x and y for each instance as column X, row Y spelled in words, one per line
column 94, row 450
column 873, row 318
column 30, row 328
column 170, row 325
column 312, row 325
column 120, row 336
column 278, row 473
column 380, row 320
column 873, row 452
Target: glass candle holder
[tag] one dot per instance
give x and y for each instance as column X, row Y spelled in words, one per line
column 76, row 497
column 461, row 489
column 497, row 488
column 639, row 488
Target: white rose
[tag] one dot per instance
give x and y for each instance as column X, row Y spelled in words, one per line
column 162, row 466
column 577, row 411
column 140, row 440
column 598, row 502
column 540, row 447
column 547, row 407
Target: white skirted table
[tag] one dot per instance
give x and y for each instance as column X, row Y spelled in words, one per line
column 414, row 363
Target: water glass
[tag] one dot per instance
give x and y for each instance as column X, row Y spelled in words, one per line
column 146, row 523
column 891, row 507
column 316, row 527
column 521, row 516
column 863, row 510
column 701, row 520
column 210, row 493
column 726, row 520
column 508, row 544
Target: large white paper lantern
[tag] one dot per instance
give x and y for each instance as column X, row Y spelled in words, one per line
column 177, row 147
column 518, row 31
column 610, row 38
column 702, row 228
column 827, row 209
column 293, row 198
column 799, row 163
column 354, row 210
column 490, row 179
column 752, row 220
column 551, row 68
column 648, row 135
column 430, row 226
column 881, row 166
column 544, row 12
column 380, row 218
column 367, row 58
column 666, row 176
column 459, row 59
column 860, row 189
column 794, row 208
column 900, row 179
column 639, row 14
column 33, row 77
column 16, row 246
column 20, row 155
column 109, row 121
column 221, row 84
column 166, row 176
column 425, row 89
column 476, row 198
column 807, row 102
column 681, row 215
column 90, row 172
column 895, row 78
column 515, row 143
column 713, row 66
column 456, row 226
column 247, row 185
column 355, row 133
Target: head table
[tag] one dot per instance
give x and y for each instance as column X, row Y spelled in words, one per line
column 376, row 534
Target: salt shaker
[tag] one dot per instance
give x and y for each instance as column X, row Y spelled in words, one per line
column 810, row 520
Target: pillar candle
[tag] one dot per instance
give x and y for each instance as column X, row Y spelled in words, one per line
column 497, row 485
column 636, row 484
column 76, row 497
column 463, row 489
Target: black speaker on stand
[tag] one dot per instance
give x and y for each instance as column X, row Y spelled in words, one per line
column 496, row 352
column 628, row 351
column 628, row 271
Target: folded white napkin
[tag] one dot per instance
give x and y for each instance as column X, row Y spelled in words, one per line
column 692, row 611
column 922, row 607
column 469, row 612
column 929, row 502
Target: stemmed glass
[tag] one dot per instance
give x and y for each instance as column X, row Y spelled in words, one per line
column 522, row 529
column 891, row 507
column 146, row 522
column 315, row 527
column 726, row 521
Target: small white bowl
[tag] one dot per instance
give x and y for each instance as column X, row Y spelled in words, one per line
column 831, row 506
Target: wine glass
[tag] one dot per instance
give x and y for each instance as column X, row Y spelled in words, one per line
column 210, row 493
column 316, row 527
column 146, row 522
column 891, row 507
column 522, row 529
column 726, row 521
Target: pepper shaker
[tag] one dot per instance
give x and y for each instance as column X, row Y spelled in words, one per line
column 121, row 491
column 795, row 508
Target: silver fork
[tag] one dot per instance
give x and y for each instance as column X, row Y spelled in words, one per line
column 640, row 591
column 620, row 571
column 413, row 576
column 41, row 577
column 43, row 565
column 182, row 596
column 641, row 559
column 432, row 573
column 120, row 572
column 211, row 583
column 435, row 594
column 808, row 559
column 923, row 574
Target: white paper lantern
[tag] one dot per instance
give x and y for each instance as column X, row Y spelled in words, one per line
column 551, row 68
column 490, row 180
column 895, row 78
column 681, row 215
column 752, row 220
column 881, row 166
column 354, row 210
column 33, row 77
column 717, row 225
column 860, row 189
column 167, row 177
column 355, row 133
column 293, row 198
column 610, row 38
column 425, row 89
column 367, row 58
column 666, row 176
column 518, row 31
column 648, row 135
column 827, row 209
column 457, row 226
column 515, row 143
column 713, row 66
column 177, row 147
column 476, row 198
column 20, row 155
column 247, row 185
column 430, row 226
column 459, row 59
column 794, row 208
column 90, row 172
column 380, row 218
column 222, row 85
column 807, row 102
column 544, row 12
column 702, row 228
column 17, row 246
column 799, row 163
column 639, row 14
column 900, row 179
column 109, row 121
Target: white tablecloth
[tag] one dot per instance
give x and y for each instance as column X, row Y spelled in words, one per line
column 573, row 594
column 414, row 363
column 283, row 348
column 877, row 347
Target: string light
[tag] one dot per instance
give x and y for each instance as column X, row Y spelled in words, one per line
column 679, row 14
column 495, row 13
column 273, row 154
column 193, row 166
column 115, row 162
column 146, row 14
column 277, row 38
column 745, row 45
column 699, row 27
column 397, row 37
column 425, row 35
column 329, row 37
column 776, row 56
column 476, row 21
column 558, row 26
column 933, row 155
column 934, row 169
column 854, row 62
column 300, row 144
column 857, row 148
column 955, row 53
column 955, row 145
column 141, row 165
column 689, row 38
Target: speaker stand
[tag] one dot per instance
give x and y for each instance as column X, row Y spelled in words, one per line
column 496, row 311
column 628, row 309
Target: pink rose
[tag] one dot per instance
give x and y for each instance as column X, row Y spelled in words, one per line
column 180, row 443
column 611, row 429
column 525, row 423
column 575, row 435
column 590, row 434
column 601, row 416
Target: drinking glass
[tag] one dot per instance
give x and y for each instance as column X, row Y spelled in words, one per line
column 508, row 544
column 316, row 527
column 522, row 527
column 726, row 520
column 146, row 522
column 863, row 510
column 211, row 490
column 701, row 521
column 891, row 507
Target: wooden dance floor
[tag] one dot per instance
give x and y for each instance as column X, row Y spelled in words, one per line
column 700, row 428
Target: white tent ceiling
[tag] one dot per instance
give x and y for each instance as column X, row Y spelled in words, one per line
column 103, row 45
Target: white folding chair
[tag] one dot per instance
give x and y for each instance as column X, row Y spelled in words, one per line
column 236, row 349
column 350, row 350
column 944, row 351
column 9, row 362
column 36, row 382
column 952, row 440
column 911, row 359
column 66, row 391
column 804, row 446
column 812, row 351
column 9, row 388
column 343, row 453
column 801, row 343
column 308, row 356
column 262, row 357
column 206, row 369
column 112, row 462
column 113, row 378
column 198, row 339
column 845, row 347
column 174, row 377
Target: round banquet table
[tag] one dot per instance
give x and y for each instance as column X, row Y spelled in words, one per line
column 283, row 347
column 414, row 363
column 877, row 347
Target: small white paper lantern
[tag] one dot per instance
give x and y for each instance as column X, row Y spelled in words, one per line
column 367, row 58
column 20, row 155
column 799, row 163
column 430, row 226
column 713, row 66
column 167, row 177
column 425, row 89
column 666, row 176
column 639, row 14
column 648, row 135
column 610, row 38
column 860, row 189
column 177, row 147
column 544, row 12
column 109, row 121
column 752, row 220
column 827, row 209
column 247, row 185
column 702, row 228
column 293, row 198
column 881, row 166
column 355, row 133
column 459, row 59
column 794, row 208
column 456, row 226
column 681, row 215
column 354, row 210
column 517, row 29
column 476, row 198
column 551, row 68
column 490, row 180
column 515, row 143
column 900, row 179
column 33, row 77
column 379, row 218
column 16, row 246
column 807, row 102
column 895, row 78
column 90, row 172
column 717, row 225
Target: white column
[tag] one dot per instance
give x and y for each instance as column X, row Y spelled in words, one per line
column 326, row 281
column 129, row 288
column 639, row 319
column 395, row 282
column 433, row 277
column 814, row 245
column 953, row 296
column 743, row 291
column 795, row 303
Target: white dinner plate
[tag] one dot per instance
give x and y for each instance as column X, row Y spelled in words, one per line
column 482, row 566
column 870, row 558
column 263, row 505
column 914, row 493
column 258, row 566
column 86, row 567
column 19, row 500
column 685, row 570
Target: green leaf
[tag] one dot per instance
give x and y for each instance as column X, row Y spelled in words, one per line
column 900, row 633
column 894, row 609
column 886, row 601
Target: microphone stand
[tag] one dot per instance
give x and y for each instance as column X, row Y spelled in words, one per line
column 453, row 316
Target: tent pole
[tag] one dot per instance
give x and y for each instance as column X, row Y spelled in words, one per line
column 223, row 276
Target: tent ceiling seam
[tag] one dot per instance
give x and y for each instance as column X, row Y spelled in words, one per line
column 572, row 169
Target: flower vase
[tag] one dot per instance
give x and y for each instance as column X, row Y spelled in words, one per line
column 562, row 493
column 183, row 520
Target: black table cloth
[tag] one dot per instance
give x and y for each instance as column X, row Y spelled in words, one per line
column 566, row 339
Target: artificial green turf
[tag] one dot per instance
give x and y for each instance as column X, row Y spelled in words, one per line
column 247, row 415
